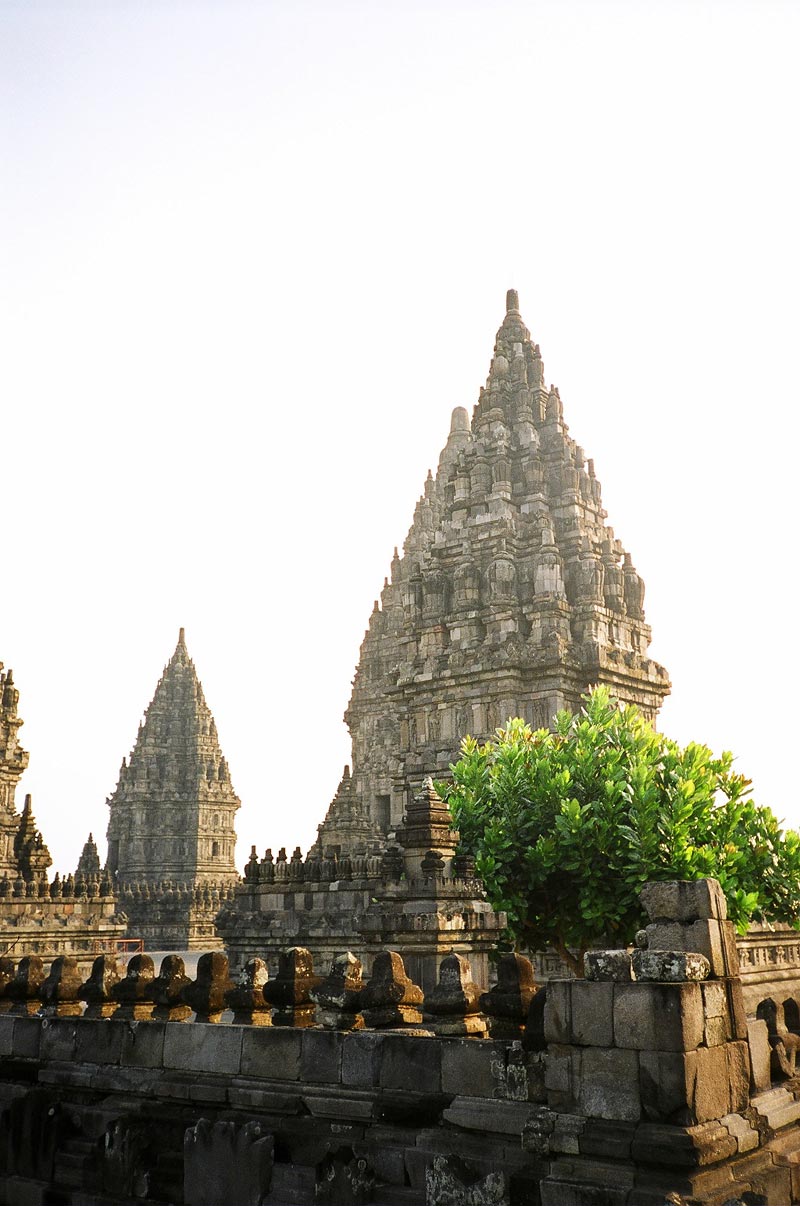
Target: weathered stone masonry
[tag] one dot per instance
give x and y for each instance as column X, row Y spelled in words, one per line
column 512, row 596
column 622, row 1091
column 171, row 838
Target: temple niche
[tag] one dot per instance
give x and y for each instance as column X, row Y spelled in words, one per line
column 512, row 595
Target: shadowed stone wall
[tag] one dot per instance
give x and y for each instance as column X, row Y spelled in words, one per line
column 646, row 1084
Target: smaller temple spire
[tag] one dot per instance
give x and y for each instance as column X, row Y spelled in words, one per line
column 89, row 861
column 33, row 857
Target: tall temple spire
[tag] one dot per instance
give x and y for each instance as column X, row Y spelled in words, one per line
column 13, row 758
column 13, row 761
column 172, row 814
column 512, row 596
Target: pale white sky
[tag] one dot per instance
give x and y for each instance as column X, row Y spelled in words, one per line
column 251, row 255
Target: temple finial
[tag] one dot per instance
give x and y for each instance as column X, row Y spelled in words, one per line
column 512, row 301
column 459, row 420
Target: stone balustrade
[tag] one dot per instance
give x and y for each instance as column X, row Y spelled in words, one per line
column 297, row 996
column 644, row 1083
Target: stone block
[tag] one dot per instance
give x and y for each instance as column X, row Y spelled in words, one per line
column 555, row 1192
column 20, row 1037
column 470, row 1067
column 519, row 1074
column 389, row 1164
column 738, row 1056
column 537, row 1131
column 609, row 1084
column 738, row 1015
column 562, row 1077
column 292, row 1184
column 712, row 1143
column 411, row 1063
column 666, row 1084
column 715, row 999
column 207, row 1092
column 665, row 936
column 689, row 1088
column 592, row 1014
column 558, row 1011
column 662, row 966
column 612, row 1140
column 711, row 1096
column 321, row 1057
column 448, row 1180
column 495, row 1117
column 558, row 1069
column 99, row 1041
column 361, row 1059
column 607, row 965
column 679, row 1147
column 714, row 939
column 388, row 1161
column 203, row 1047
column 760, row 1056
column 658, row 1017
column 777, row 1108
column 328, row 1104
column 711, row 939
column 271, row 1052
column 58, row 1039
column 6, row 1035
column 142, row 1042
column 745, row 1135
column 566, row 1133
column 242, row 1094
column 684, row 900
column 417, row 1162
column 717, row 1012
column 716, row 1032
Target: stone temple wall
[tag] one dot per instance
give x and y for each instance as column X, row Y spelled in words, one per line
column 64, row 917
column 645, row 1084
column 420, row 897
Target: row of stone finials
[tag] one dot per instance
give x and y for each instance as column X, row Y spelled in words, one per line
column 388, row 865
column 297, row 996
column 96, row 887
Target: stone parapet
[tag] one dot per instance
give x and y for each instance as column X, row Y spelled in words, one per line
column 185, row 1108
column 329, row 1101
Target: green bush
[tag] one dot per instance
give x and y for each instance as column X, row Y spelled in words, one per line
column 566, row 827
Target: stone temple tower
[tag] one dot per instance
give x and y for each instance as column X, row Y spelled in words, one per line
column 171, row 832
column 512, row 597
column 13, row 760
column 22, row 849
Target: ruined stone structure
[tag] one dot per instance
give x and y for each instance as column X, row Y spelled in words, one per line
column 419, row 897
column 171, row 838
column 77, row 916
column 512, row 596
column 649, row 1083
